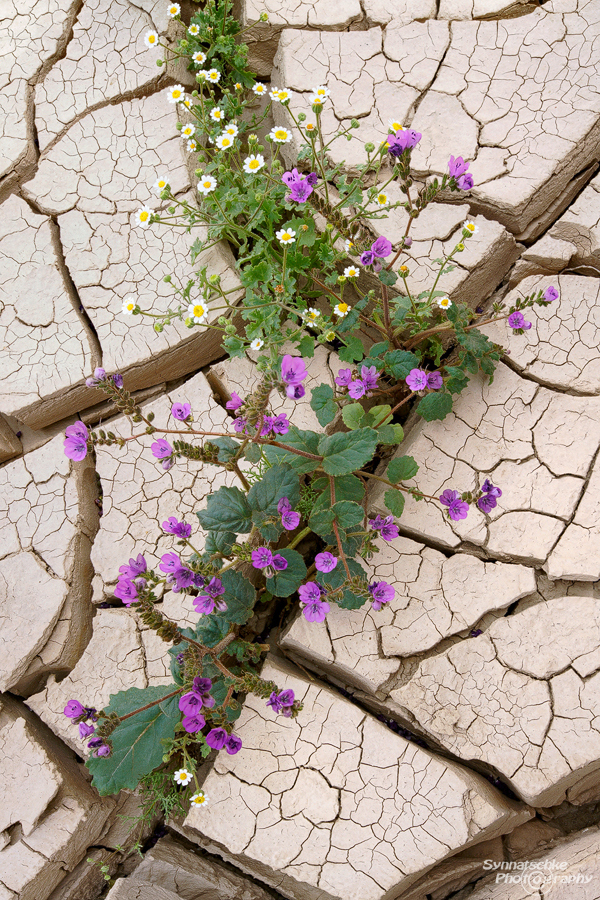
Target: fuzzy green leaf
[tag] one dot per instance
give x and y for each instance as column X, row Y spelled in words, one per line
column 435, row 406
column 401, row 469
column 394, row 500
column 277, row 482
column 306, row 441
column 283, row 584
column 400, row 362
column 322, row 403
column 353, row 414
column 345, row 453
column 226, row 510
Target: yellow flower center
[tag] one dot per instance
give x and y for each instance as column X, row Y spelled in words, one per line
column 177, row 94
column 343, row 307
column 317, row 100
column 198, row 310
column 382, row 198
column 281, row 133
column 207, row 184
column 254, row 164
column 162, row 184
column 470, row 227
column 144, row 216
column 286, row 236
column 151, row 38
column 237, row 86
column 130, row 306
column 226, row 142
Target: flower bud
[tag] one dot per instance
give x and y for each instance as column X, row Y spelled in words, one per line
column 158, row 327
column 329, row 227
column 369, row 147
column 179, row 126
column 354, row 123
column 230, row 329
column 167, row 279
column 189, row 323
column 252, row 138
column 222, row 320
column 301, row 117
column 214, row 279
column 460, row 247
column 195, row 94
column 264, row 17
column 160, row 62
column 198, row 172
column 407, row 242
column 184, row 44
column 342, row 279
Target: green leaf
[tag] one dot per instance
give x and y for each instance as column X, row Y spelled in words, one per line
column 211, row 629
column 345, row 453
column 400, row 362
column 321, row 521
column 219, row 542
column 401, row 307
column 322, row 403
column 306, row 441
column 336, row 579
column 350, row 600
column 401, row 469
column 394, row 500
column 390, row 434
column 277, row 482
column 253, row 453
column 435, row 406
column 136, row 742
column 353, row 414
column 378, row 415
column 474, row 342
column 257, row 274
column 226, row 510
column 347, row 487
column 306, row 347
column 457, row 381
column 239, row 596
column 353, row 351
column 348, row 514
column 283, row 584
column 388, row 278
column 349, row 322
column 378, row 350
column 227, row 448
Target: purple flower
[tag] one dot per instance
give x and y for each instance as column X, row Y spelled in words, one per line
column 386, row 527
column 280, row 424
column 290, row 519
column 381, row 247
column 280, row 563
column 267, row 424
column 240, row 425
column 74, row 709
column 457, row 508
column 201, row 685
column 369, row 376
column 367, row 257
column 293, row 370
column 382, row 592
column 191, row 703
column 170, row 562
column 488, row 488
column 233, row 744
column 161, row 449
column 173, row 526
column 457, row 167
column 309, row 592
column 291, row 178
column 517, row 321
column 344, row 377
column 214, row 588
column 465, row 182
column 295, row 391
column 103, row 750
column 282, row 702
column 181, row 411
column 168, row 464
column 487, row 503
column 403, row 140
column 315, row 610
column 325, row 562
column 300, row 191
column 85, row 730
column 357, row 389
column 262, row 558
column 136, row 567
column 407, row 242
column 550, row 294
column 312, row 178
column 203, row 605
column 235, row 402
column 98, row 376
column 75, row 443
column 434, row 381
column 127, row 592
column 117, row 380
column 182, row 578
column 192, row 724
column 417, row 380
column 216, row 738
column 283, row 506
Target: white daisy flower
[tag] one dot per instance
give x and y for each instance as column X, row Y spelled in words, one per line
column 286, row 236
column 259, row 89
column 393, row 125
column 143, row 215
column 160, row 184
column 198, row 311
column 203, row 73
column 256, row 344
column 187, row 102
column 207, row 184
column 216, row 114
column 224, row 141
column 182, row 776
column 310, row 126
column 151, row 39
column 274, row 94
column 471, row 227
column 311, row 314
column 199, row 58
column 283, row 95
column 188, row 130
column 192, row 145
column 348, row 245
column 316, row 100
column 174, row 10
column 341, row 309
column 321, row 91
column 351, row 271
column 280, row 135
column 176, row 94
column 213, row 75
column 253, row 163
column 238, row 85
column 200, row 799
column 382, row 199
column 231, row 129
column 444, row 302
column 129, row 304
column 194, row 30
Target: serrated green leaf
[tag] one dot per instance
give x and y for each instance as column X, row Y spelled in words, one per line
column 347, row 514
column 389, row 278
column 277, row 482
column 400, row 362
column 211, row 629
column 226, row 510
column 253, row 453
column 378, row 415
column 306, row 347
column 401, row 469
column 322, row 403
column 283, row 584
column 219, row 542
column 345, row 453
column 350, row 600
column 136, row 742
column 457, row 381
column 377, row 350
column 227, row 448
column 353, row 414
column 394, row 500
column 307, row 441
column 353, row 351
column 347, row 487
column 271, row 531
column 239, row 596
column 349, row 322
column 436, row 405
column 321, row 521
column 390, row 434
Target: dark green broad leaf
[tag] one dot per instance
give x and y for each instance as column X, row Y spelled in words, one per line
column 391, row 434
column 345, row 453
column 136, row 742
column 349, row 322
column 353, row 414
column 271, row 531
column 389, row 278
column 307, row 441
column 211, row 629
column 353, row 351
column 377, row 350
column 285, row 583
column 260, row 273
column 378, row 415
column 401, row 307
column 347, row 487
column 350, row 600
column 219, row 542
column 348, row 514
column 227, row 448
column 475, row 342
column 457, row 381
column 226, row 510
column 253, row 453
column 401, row 469
column 322, row 403
column 394, row 500
column 277, row 482
column 306, row 347
column 239, row 596
column 321, row 521
column 435, row 406
column 400, row 362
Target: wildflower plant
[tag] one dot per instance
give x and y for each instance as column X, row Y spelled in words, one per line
column 313, row 271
